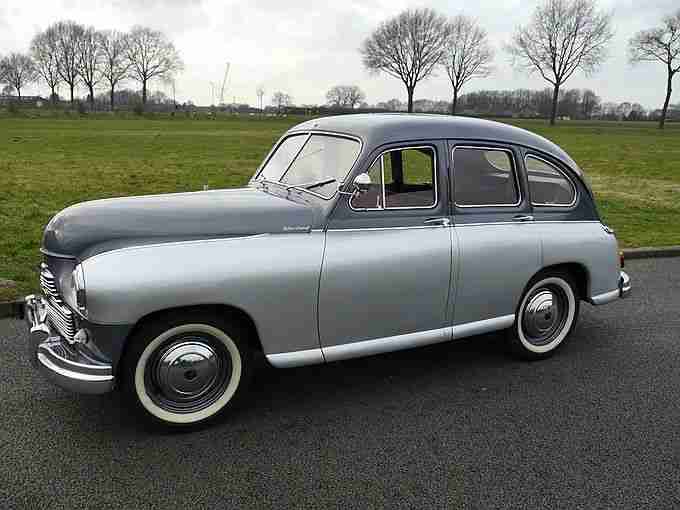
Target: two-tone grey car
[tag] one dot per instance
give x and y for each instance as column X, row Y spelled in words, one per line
column 358, row 234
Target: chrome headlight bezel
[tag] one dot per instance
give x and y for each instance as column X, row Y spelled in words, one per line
column 74, row 293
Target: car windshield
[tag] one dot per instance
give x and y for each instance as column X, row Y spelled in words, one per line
column 317, row 162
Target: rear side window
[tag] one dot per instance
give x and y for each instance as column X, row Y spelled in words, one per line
column 484, row 177
column 548, row 185
column 400, row 179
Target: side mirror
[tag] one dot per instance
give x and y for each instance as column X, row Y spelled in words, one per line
column 362, row 182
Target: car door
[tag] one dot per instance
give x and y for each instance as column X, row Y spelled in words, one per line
column 387, row 264
column 498, row 243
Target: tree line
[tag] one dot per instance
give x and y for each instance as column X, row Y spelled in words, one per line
column 560, row 38
column 68, row 53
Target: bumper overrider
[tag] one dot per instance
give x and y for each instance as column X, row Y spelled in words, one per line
column 68, row 365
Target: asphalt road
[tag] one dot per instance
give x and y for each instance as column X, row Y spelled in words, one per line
column 453, row 425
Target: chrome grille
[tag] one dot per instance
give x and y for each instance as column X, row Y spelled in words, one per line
column 58, row 314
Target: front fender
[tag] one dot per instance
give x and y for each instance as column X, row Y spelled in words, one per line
column 274, row 278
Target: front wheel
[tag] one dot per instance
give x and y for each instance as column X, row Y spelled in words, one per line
column 545, row 316
column 184, row 371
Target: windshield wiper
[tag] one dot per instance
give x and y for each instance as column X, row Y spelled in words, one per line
column 317, row 184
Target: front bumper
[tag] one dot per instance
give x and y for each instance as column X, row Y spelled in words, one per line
column 68, row 366
column 622, row 291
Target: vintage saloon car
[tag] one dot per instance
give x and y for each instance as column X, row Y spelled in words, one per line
column 359, row 234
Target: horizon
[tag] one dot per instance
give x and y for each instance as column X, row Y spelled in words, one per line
column 296, row 49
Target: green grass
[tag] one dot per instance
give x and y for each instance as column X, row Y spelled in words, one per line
column 47, row 164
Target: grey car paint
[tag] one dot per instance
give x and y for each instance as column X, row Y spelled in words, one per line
column 274, row 278
column 324, row 282
column 94, row 227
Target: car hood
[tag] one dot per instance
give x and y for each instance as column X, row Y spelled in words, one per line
column 89, row 228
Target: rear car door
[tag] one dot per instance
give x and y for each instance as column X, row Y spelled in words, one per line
column 499, row 246
column 387, row 264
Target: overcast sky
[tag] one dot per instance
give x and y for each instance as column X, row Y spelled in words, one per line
column 305, row 47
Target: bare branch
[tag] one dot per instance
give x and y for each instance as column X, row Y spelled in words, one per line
column 660, row 44
column 18, row 70
column 562, row 37
column 407, row 47
column 468, row 54
column 44, row 53
column 151, row 55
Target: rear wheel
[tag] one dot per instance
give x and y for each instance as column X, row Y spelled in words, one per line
column 184, row 371
column 545, row 316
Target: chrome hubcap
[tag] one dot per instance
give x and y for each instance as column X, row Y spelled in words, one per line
column 187, row 370
column 188, row 374
column 544, row 315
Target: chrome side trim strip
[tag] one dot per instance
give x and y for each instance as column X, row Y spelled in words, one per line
column 296, row 358
column 386, row 228
column 388, row 344
column 535, row 222
column 483, row 326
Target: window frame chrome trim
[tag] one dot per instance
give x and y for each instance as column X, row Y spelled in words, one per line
column 382, row 178
column 520, row 196
column 571, row 183
column 309, row 134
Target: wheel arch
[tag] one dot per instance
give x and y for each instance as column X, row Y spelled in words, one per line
column 218, row 310
column 576, row 270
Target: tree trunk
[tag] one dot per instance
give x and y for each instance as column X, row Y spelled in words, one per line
column 409, row 91
column 53, row 96
column 111, row 97
column 664, row 111
column 72, row 86
column 19, row 93
column 553, row 113
column 91, row 97
column 144, row 92
column 454, row 104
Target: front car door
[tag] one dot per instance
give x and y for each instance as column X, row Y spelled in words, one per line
column 387, row 265
column 499, row 246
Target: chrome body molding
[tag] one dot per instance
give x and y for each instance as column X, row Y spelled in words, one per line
column 483, row 326
column 380, row 345
column 65, row 366
column 296, row 358
column 393, row 343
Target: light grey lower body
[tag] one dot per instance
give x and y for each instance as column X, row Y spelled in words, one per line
column 412, row 340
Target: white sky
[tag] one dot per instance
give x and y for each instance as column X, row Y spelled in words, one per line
column 305, row 47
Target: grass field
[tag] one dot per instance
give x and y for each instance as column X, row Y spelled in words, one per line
column 48, row 164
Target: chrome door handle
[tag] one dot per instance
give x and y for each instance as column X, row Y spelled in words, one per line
column 523, row 217
column 442, row 222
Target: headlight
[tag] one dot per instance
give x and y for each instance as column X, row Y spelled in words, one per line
column 74, row 293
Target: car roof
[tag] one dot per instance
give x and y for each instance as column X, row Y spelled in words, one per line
column 376, row 129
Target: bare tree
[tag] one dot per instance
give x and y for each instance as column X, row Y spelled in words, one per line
column 90, row 58
column 661, row 44
column 562, row 36
column 260, row 95
column 115, row 63
column 18, row 70
column 345, row 96
column 151, row 55
column 44, row 53
column 68, row 34
column 281, row 100
column 468, row 55
column 407, row 47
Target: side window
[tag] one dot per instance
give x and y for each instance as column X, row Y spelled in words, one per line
column 484, row 177
column 402, row 178
column 547, row 185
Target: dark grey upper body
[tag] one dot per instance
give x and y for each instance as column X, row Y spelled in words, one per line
column 98, row 226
